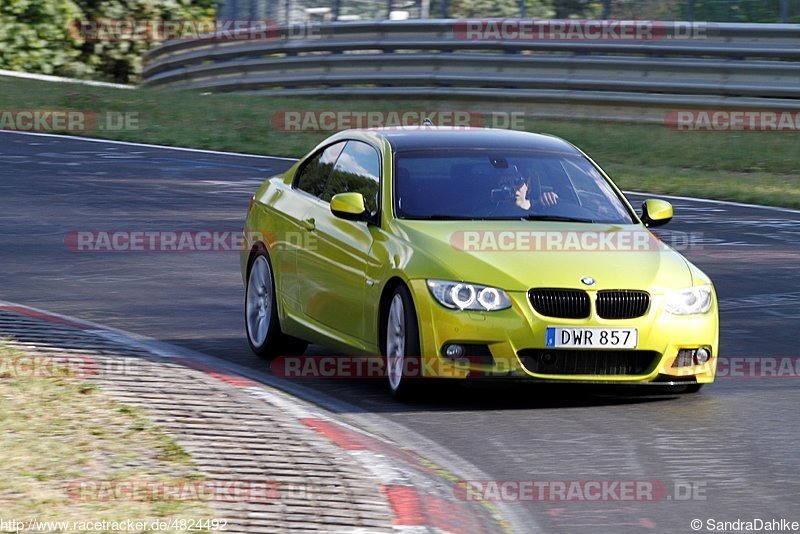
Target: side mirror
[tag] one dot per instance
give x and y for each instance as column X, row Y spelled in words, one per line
column 349, row 206
column 656, row 212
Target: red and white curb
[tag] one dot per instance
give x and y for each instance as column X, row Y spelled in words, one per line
column 110, row 334
column 407, row 480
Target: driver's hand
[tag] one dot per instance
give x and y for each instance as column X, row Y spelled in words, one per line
column 549, row 199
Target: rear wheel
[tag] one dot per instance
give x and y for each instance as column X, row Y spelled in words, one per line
column 261, row 313
column 401, row 345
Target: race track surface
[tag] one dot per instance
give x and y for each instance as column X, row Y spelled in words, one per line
column 736, row 441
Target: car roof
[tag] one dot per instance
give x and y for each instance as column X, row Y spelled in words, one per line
column 426, row 137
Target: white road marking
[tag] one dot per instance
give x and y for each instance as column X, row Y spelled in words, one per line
column 163, row 147
column 714, row 201
column 61, row 79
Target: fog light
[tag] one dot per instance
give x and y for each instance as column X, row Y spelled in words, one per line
column 701, row 356
column 454, row 350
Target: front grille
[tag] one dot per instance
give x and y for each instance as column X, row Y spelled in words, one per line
column 622, row 304
column 587, row 362
column 564, row 303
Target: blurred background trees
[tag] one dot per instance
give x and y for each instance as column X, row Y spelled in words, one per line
column 40, row 35
column 35, row 35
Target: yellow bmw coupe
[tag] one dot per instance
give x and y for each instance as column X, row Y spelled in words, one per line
column 472, row 253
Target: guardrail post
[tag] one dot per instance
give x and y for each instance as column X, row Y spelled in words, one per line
column 425, row 9
column 784, row 11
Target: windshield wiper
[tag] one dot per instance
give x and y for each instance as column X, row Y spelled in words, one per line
column 533, row 217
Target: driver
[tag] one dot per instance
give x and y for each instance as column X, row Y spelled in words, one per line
column 523, row 188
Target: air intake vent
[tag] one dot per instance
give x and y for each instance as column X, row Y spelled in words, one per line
column 587, row 362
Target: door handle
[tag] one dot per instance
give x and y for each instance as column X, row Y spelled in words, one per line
column 309, row 224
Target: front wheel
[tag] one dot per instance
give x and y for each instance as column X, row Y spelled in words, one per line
column 261, row 313
column 401, row 345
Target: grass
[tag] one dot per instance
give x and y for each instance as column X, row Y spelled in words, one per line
column 759, row 167
column 56, row 430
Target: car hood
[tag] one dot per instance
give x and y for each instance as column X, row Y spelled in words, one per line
column 554, row 254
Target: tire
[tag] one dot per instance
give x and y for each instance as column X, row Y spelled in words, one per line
column 261, row 313
column 401, row 347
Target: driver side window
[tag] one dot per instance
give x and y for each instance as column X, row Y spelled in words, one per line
column 314, row 174
column 357, row 170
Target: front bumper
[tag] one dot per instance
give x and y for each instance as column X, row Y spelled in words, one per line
column 509, row 332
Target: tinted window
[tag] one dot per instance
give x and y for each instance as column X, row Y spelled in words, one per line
column 593, row 190
column 478, row 184
column 356, row 170
column 314, row 174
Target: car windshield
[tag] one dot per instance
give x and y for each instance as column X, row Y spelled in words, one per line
column 474, row 184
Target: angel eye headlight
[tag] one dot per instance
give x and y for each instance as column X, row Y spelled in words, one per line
column 462, row 295
column 465, row 296
column 689, row 301
column 489, row 298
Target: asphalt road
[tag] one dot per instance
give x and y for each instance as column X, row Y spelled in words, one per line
column 735, row 443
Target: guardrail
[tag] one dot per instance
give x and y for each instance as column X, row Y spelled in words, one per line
column 752, row 66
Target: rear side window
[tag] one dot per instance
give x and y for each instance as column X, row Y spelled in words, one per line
column 315, row 172
column 357, row 170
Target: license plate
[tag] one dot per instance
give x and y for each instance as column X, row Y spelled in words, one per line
column 594, row 337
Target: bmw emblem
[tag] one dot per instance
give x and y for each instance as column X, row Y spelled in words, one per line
column 588, row 280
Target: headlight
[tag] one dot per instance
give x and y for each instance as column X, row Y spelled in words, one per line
column 689, row 301
column 463, row 296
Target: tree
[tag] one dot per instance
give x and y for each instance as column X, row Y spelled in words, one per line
column 46, row 37
column 576, row 8
column 34, row 37
column 120, row 60
column 494, row 9
column 737, row 10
